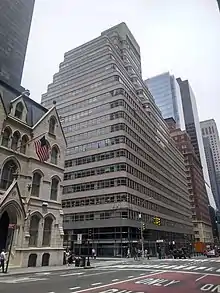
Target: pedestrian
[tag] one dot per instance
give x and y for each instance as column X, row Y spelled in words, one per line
column 128, row 253
column 67, row 255
column 2, row 260
column 94, row 253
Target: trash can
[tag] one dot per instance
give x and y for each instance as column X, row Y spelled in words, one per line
column 82, row 261
column 77, row 262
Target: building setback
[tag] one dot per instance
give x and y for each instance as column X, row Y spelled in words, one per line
column 120, row 161
column 210, row 132
column 15, row 22
column 191, row 118
column 196, row 186
column 166, row 92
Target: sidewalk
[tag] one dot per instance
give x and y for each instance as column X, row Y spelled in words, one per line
column 94, row 263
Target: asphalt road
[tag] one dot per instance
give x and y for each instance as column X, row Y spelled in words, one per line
column 165, row 276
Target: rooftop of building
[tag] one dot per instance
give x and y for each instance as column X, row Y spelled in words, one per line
column 9, row 94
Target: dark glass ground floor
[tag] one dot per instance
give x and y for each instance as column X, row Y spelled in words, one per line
column 115, row 241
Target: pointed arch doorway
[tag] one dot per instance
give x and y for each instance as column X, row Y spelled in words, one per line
column 10, row 215
column 4, row 231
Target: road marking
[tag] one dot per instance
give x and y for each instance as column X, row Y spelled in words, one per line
column 119, row 282
column 96, row 284
column 201, row 278
column 129, row 277
column 71, row 274
column 42, row 274
column 142, row 274
column 74, row 288
column 22, row 280
column 115, row 280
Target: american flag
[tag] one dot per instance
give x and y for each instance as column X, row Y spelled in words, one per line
column 42, row 149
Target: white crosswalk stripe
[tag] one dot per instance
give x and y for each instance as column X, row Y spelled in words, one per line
column 15, row 280
column 176, row 267
column 217, row 260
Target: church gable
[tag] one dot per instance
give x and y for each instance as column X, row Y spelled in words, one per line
column 12, row 194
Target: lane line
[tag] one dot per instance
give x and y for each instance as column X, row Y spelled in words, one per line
column 119, row 282
column 96, row 284
column 74, row 288
column 201, row 278
column 71, row 274
column 129, row 277
column 115, row 280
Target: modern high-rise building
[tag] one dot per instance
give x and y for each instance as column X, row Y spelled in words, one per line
column 196, row 186
column 15, row 22
column 166, row 92
column 192, row 124
column 218, row 1
column 122, row 169
column 210, row 132
column 211, row 170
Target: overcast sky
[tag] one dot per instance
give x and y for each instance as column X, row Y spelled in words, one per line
column 180, row 36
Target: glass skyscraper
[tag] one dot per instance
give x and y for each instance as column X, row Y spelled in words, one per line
column 15, row 22
column 166, row 93
column 191, row 117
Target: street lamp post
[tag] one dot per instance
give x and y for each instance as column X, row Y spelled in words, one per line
column 142, row 236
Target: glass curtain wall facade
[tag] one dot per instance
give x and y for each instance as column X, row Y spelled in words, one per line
column 120, row 161
column 191, row 117
column 166, row 93
column 15, row 22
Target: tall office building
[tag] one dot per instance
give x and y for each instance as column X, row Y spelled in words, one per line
column 166, row 93
column 196, row 186
column 122, row 169
column 218, row 1
column 15, row 22
column 191, row 118
column 210, row 132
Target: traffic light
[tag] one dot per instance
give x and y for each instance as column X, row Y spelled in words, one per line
column 90, row 233
column 157, row 221
column 143, row 226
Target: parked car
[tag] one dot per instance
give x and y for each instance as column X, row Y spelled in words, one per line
column 212, row 253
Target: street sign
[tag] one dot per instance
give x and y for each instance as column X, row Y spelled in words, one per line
column 11, row 226
column 79, row 238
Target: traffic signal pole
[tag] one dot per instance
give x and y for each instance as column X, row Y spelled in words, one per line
column 142, row 236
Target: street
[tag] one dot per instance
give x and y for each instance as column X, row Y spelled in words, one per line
column 125, row 276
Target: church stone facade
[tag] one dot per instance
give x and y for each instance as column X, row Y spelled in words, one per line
column 30, row 190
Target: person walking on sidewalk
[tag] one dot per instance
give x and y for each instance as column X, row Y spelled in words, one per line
column 2, row 260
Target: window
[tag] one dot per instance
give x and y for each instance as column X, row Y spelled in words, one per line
column 33, row 230
column 15, row 140
column 54, row 155
column 47, row 231
column 35, row 190
column 6, row 137
column 54, row 189
column 52, row 124
column 8, row 171
column 19, row 110
column 23, row 146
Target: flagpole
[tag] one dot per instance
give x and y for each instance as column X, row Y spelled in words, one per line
column 31, row 140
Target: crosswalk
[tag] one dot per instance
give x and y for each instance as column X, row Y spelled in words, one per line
column 199, row 260
column 193, row 266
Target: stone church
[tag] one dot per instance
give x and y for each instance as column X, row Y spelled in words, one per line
column 31, row 216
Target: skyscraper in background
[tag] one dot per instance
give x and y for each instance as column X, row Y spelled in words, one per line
column 166, row 93
column 15, row 22
column 211, row 170
column 210, row 132
column 192, row 124
column 218, row 1
column 196, row 185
